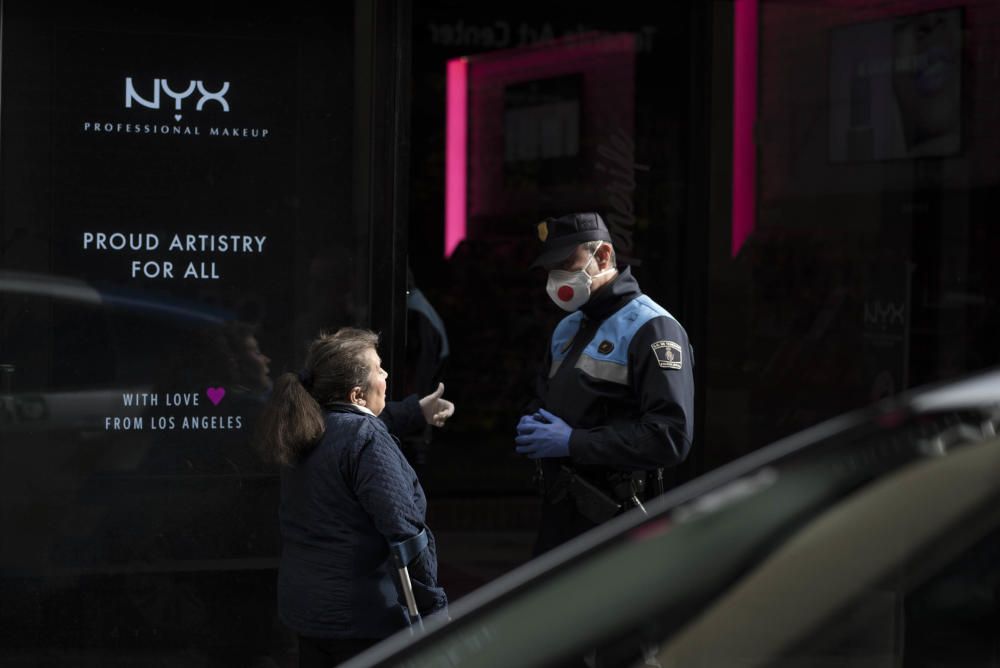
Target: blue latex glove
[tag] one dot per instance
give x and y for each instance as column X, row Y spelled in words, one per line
column 542, row 435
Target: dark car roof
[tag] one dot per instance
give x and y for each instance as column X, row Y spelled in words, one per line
column 72, row 289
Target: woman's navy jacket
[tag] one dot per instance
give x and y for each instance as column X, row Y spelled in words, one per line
column 341, row 506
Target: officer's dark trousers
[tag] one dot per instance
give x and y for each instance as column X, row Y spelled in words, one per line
column 560, row 522
column 329, row 652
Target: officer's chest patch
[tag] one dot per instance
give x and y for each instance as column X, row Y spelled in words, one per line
column 668, row 354
column 605, row 347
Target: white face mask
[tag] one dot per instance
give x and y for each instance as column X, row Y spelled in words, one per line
column 571, row 289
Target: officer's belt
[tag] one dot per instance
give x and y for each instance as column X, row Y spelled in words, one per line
column 600, row 501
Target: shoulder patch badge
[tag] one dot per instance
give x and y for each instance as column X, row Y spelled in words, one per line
column 668, row 354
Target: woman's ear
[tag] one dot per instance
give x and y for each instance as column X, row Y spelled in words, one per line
column 357, row 396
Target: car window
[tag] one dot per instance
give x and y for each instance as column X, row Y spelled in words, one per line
column 950, row 618
column 848, row 588
column 134, row 332
column 954, row 617
column 55, row 345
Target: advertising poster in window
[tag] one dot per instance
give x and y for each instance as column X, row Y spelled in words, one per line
column 177, row 223
column 896, row 88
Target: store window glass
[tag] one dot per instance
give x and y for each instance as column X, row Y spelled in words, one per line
column 177, row 224
column 868, row 267
column 804, row 184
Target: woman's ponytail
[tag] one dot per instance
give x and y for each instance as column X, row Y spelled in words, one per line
column 291, row 423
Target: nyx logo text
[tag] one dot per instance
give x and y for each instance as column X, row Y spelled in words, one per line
column 162, row 85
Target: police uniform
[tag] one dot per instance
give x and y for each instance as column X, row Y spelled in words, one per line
column 619, row 372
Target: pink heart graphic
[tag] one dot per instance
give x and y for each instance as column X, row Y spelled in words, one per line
column 215, row 394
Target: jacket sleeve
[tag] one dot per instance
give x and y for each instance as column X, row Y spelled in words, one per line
column 390, row 494
column 403, row 418
column 661, row 378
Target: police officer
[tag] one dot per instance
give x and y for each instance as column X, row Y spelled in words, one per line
column 615, row 399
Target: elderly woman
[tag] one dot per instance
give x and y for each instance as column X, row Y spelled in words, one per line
column 347, row 492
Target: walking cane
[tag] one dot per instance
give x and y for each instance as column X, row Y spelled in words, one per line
column 403, row 555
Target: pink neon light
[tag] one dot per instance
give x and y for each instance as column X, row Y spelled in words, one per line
column 473, row 174
column 456, row 140
column 744, row 118
column 606, row 63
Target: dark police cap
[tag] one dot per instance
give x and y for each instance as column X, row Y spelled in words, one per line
column 560, row 236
